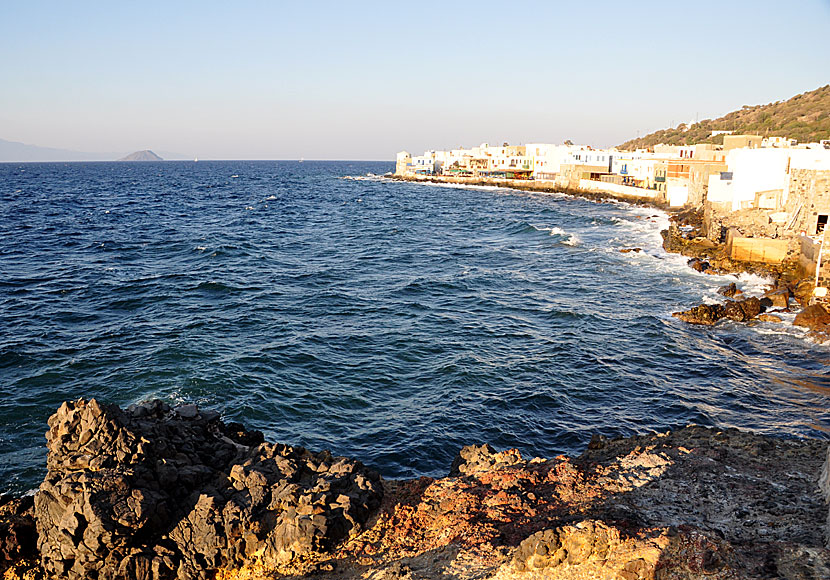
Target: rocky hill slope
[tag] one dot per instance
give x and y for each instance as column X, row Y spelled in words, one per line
column 160, row 493
column 805, row 117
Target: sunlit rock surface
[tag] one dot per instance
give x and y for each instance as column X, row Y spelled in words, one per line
column 155, row 492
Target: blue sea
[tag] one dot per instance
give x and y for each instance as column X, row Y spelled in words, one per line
column 388, row 321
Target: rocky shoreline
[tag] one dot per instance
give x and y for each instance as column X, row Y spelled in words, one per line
column 685, row 237
column 788, row 291
column 158, row 492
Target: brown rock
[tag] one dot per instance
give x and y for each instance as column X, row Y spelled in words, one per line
column 707, row 314
column 769, row 318
column 729, row 290
column 627, row 250
column 742, row 310
column 779, row 297
column 698, row 264
column 803, row 292
column 814, row 317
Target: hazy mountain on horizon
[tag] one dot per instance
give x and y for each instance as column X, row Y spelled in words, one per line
column 14, row 151
column 144, row 155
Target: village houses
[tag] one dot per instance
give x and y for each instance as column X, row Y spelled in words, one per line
column 768, row 198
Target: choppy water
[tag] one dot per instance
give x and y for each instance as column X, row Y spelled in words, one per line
column 388, row 321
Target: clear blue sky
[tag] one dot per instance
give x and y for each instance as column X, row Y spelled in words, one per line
column 362, row 80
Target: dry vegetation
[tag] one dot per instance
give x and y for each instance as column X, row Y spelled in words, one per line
column 805, row 117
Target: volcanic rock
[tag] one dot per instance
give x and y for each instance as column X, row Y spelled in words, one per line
column 177, row 497
column 729, row 290
column 473, row 459
column 814, row 317
column 779, row 297
column 769, row 318
column 742, row 310
column 157, row 493
column 698, row 264
column 803, row 292
column 707, row 314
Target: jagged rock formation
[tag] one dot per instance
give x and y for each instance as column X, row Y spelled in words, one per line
column 154, row 493
column 145, row 155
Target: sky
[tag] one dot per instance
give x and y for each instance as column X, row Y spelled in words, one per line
column 363, row 80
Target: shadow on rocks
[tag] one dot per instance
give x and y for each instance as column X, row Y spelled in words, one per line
column 155, row 493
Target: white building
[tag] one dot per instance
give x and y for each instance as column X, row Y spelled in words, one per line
column 756, row 176
column 546, row 158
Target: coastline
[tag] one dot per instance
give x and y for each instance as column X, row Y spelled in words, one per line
column 684, row 504
column 788, row 284
column 693, row 502
column 534, row 186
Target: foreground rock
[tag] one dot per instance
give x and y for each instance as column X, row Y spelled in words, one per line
column 18, row 536
column 814, row 317
column 694, row 503
column 706, row 314
column 154, row 493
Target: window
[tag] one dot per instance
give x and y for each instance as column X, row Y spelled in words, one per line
column 821, row 224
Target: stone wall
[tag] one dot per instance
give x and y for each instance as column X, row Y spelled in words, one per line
column 765, row 250
column 617, row 189
column 809, row 195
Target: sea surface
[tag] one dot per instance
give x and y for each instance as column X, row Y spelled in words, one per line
column 388, row 321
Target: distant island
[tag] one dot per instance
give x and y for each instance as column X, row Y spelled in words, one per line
column 145, row 155
column 805, row 118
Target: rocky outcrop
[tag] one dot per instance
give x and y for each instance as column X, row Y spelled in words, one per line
column 742, row 310
column 730, row 290
column 694, row 503
column 814, row 317
column 706, row 314
column 779, row 297
column 154, row 492
column 770, row 318
column 698, row 265
column 737, row 310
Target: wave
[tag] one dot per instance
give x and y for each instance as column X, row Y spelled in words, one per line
column 567, row 238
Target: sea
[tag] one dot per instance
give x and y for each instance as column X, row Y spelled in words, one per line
column 334, row 308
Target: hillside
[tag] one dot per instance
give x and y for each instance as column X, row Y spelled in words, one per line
column 805, row 117
column 145, row 155
column 14, row 151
